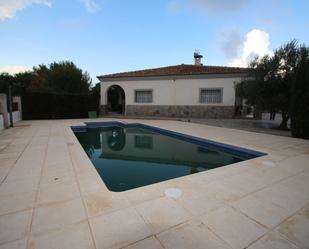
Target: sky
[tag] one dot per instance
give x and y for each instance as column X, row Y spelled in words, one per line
column 110, row 36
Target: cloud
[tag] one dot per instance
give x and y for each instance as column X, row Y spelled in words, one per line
column 91, row 5
column 9, row 8
column 231, row 43
column 14, row 69
column 241, row 51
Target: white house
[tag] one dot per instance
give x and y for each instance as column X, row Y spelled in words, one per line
column 177, row 91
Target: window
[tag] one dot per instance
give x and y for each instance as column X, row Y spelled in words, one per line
column 211, row 95
column 143, row 96
column 143, row 142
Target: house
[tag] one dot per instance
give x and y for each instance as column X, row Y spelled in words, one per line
column 195, row 91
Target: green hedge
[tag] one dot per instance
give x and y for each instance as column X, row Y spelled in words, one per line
column 42, row 105
column 300, row 100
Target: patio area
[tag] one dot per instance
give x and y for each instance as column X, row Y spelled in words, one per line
column 51, row 196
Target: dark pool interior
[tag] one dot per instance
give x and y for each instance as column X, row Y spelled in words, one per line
column 136, row 156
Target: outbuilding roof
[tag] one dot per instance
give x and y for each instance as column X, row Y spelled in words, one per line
column 177, row 70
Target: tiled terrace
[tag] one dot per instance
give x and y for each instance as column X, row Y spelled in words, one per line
column 52, row 197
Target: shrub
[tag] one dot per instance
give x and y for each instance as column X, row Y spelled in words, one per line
column 300, row 98
column 48, row 105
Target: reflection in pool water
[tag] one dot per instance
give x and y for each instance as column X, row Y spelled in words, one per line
column 127, row 158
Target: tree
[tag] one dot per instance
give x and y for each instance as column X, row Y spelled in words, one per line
column 62, row 77
column 5, row 80
column 268, row 84
column 300, row 97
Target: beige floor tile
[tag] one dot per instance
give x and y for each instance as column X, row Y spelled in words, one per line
column 17, row 244
column 17, row 202
column 14, row 148
column 58, row 193
column 89, row 185
column 76, row 236
column 289, row 198
column 119, row 228
column 4, row 171
column 9, row 155
column 296, row 228
column 14, row 226
column 7, row 161
column 57, row 215
column 233, row 227
column 149, row 243
column 200, row 203
column 191, row 235
column 162, row 213
column 262, row 211
column 221, row 191
column 19, row 186
column 146, row 193
column 56, row 177
column 102, row 202
column 299, row 183
column 272, row 241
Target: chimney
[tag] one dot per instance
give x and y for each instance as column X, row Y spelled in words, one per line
column 197, row 59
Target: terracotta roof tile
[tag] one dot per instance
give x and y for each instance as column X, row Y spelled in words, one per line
column 177, row 70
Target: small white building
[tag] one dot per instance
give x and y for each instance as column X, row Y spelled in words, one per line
column 177, row 91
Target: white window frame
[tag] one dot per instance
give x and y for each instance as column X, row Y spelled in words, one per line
column 143, row 90
column 211, row 89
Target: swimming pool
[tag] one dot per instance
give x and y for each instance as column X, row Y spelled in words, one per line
column 128, row 156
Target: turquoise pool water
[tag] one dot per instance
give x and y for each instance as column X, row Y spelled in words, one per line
column 135, row 156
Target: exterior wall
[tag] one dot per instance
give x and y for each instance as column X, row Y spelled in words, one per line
column 188, row 111
column 4, row 109
column 16, row 117
column 1, row 122
column 5, row 117
column 176, row 97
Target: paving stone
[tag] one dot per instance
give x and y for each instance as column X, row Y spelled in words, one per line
column 149, row 243
column 191, row 235
column 233, row 227
column 14, row 226
column 76, row 236
column 57, row 215
column 119, row 228
column 162, row 213
column 273, row 240
column 296, row 228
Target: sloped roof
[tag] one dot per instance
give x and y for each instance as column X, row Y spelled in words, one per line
column 177, row 70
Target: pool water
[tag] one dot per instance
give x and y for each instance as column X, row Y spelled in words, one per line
column 128, row 157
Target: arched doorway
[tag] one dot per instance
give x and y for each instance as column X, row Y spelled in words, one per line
column 115, row 99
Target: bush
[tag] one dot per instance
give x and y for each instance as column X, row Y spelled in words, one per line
column 47, row 105
column 300, row 98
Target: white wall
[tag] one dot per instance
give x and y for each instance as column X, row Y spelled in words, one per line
column 174, row 92
column 5, row 117
column 16, row 117
column 1, row 122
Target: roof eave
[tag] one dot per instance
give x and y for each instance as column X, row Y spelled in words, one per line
column 175, row 76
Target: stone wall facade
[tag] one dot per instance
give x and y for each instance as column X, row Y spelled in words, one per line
column 181, row 111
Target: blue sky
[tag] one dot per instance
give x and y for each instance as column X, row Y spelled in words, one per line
column 107, row 36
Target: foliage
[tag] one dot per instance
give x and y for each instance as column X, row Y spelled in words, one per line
column 46, row 105
column 300, row 97
column 5, row 80
column 62, row 77
column 60, row 90
column 268, row 85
